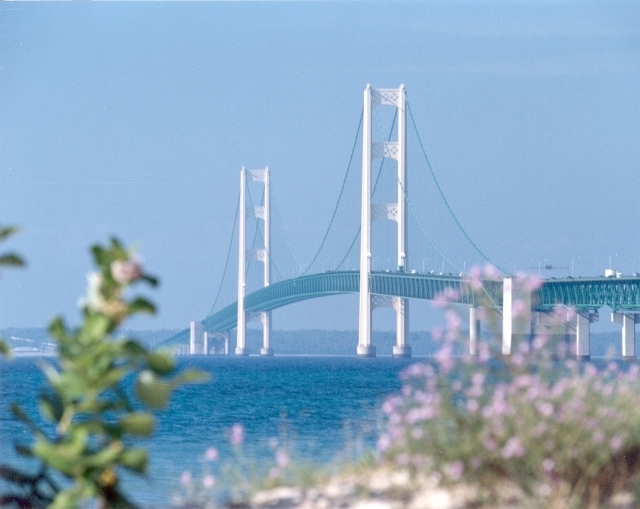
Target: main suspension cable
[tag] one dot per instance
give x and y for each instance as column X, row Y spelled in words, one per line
column 444, row 199
column 226, row 263
column 424, row 231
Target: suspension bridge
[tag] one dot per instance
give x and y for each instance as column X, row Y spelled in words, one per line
column 524, row 310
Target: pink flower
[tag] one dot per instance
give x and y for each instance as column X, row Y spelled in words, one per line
column 208, row 481
column 454, row 470
column 445, row 297
column 616, row 443
column 491, row 271
column 445, row 358
column 211, row 454
column 384, row 442
column 237, row 434
column 548, row 464
column 532, row 283
column 185, row 478
column 512, row 448
column 545, row 408
column 126, row 271
column 282, row 458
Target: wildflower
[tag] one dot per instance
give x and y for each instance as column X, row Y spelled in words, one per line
column 548, row 464
column 545, row 408
column 512, row 448
column 126, row 271
column 491, row 271
column 185, row 478
column 274, row 473
column 532, row 283
column 237, row 434
column 211, row 454
column 454, row 470
column 402, row 460
column 384, row 442
column 208, row 481
column 282, row 458
column 616, row 443
column 445, row 358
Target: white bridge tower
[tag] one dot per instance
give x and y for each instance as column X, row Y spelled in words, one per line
column 262, row 254
column 393, row 211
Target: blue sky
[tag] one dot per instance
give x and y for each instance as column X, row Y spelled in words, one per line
column 135, row 118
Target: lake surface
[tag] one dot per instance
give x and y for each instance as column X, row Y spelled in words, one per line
column 324, row 408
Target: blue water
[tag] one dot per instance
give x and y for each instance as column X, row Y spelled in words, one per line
column 323, row 408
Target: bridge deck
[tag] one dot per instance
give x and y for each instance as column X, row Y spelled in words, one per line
column 581, row 294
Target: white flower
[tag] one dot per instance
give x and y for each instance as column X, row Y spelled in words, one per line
column 126, row 271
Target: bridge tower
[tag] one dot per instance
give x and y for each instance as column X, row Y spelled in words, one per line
column 393, row 211
column 262, row 254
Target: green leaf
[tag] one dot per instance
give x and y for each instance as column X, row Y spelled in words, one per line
column 138, row 423
column 67, row 499
column 141, row 305
column 21, row 415
column 4, row 348
column 151, row 391
column 11, row 259
column 135, row 459
column 191, row 376
column 132, row 348
column 51, row 406
column 161, row 363
column 152, row 280
column 57, row 456
column 8, row 231
column 97, row 326
column 23, row 450
column 70, row 386
column 58, row 329
column 104, row 458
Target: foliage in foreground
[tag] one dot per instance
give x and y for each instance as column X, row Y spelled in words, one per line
column 555, row 428
column 8, row 260
column 93, row 418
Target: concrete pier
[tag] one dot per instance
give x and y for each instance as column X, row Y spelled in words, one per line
column 584, row 319
column 474, row 330
column 628, row 321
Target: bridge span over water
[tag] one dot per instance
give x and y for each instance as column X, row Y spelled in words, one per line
column 524, row 309
column 584, row 295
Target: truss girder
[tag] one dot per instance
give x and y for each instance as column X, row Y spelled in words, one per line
column 620, row 294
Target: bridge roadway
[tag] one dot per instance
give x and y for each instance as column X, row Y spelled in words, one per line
column 579, row 293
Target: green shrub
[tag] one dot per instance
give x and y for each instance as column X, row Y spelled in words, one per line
column 94, row 420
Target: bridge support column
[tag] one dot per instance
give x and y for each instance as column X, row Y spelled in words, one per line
column 507, row 315
column 195, row 338
column 628, row 321
column 583, row 321
column 365, row 348
column 216, row 341
column 266, row 349
column 263, row 255
column 402, row 348
column 391, row 211
column 474, row 330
